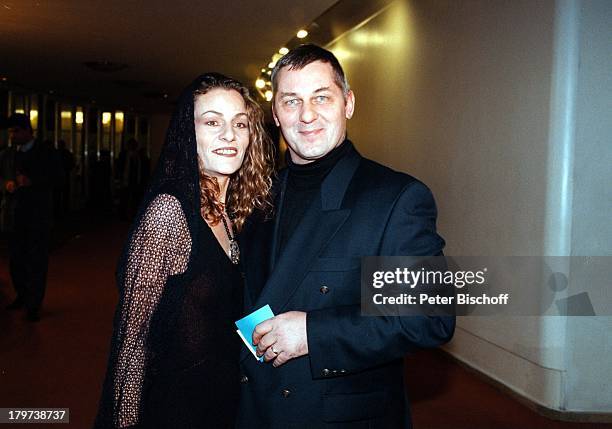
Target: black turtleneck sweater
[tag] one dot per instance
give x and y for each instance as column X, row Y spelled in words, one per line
column 303, row 184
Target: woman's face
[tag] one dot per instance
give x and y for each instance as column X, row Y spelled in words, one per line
column 222, row 131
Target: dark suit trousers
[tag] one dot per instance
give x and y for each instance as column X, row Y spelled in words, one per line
column 28, row 259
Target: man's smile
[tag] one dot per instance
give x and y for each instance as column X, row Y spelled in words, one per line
column 311, row 133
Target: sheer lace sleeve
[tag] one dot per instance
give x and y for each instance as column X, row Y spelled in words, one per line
column 160, row 247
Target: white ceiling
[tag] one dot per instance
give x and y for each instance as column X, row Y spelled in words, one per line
column 43, row 44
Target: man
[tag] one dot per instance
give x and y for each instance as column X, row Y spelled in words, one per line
column 329, row 366
column 28, row 172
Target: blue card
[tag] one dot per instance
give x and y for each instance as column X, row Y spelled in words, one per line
column 247, row 325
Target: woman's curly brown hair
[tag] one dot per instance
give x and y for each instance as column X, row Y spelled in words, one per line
column 249, row 187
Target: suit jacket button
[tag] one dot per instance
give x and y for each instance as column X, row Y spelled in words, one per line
column 326, row 372
column 286, row 393
column 324, row 289
column 244, row 379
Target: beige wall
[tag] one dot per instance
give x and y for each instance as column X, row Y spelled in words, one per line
column 468, row 97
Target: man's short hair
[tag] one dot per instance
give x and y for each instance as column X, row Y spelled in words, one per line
column 19, row 120
column 300, row 57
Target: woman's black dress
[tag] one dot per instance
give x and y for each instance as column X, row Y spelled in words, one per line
column 174, row 353
column 194, row 371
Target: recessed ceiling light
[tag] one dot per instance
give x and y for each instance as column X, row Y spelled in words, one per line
column 301, row 34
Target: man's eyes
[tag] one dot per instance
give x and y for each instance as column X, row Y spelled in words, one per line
column 319, row 99
column 211, row 123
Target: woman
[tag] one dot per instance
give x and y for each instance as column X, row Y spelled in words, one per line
column 174, row 353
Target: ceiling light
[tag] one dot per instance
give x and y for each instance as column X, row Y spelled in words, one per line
column 118, row 122
column 268, row 95
column 272, row 64
column 260, row 83
column 283, row 51
column 301, row 34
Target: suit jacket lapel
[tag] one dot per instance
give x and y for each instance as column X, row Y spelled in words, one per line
column 257, row 248
column 315, row 230
column 278, row 203
column 318, row 226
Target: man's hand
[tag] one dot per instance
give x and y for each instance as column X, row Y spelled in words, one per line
column 10, row 186
column 282, row 338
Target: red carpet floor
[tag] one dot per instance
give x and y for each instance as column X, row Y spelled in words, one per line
column 60, row 361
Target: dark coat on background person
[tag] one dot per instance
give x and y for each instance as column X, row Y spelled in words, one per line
column 353, row 373
column 29, row 214
column 30, row 204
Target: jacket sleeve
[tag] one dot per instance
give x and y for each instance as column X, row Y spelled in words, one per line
column 7, row 168
column 160, row 247
column 341, row 341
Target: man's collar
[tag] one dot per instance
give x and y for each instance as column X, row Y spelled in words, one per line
column 336, row 182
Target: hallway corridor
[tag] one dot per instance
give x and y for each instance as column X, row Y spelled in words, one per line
column 60, row 361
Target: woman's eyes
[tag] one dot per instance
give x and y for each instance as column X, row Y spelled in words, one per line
column 213, row 123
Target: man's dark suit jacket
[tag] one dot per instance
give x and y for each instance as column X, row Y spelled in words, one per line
column 353, row 374
column 30, row 207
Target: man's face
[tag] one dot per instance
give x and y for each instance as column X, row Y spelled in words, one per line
column 311, row 110
column 20, row 136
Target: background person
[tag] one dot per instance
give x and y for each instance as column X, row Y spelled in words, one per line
column 28, row 172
